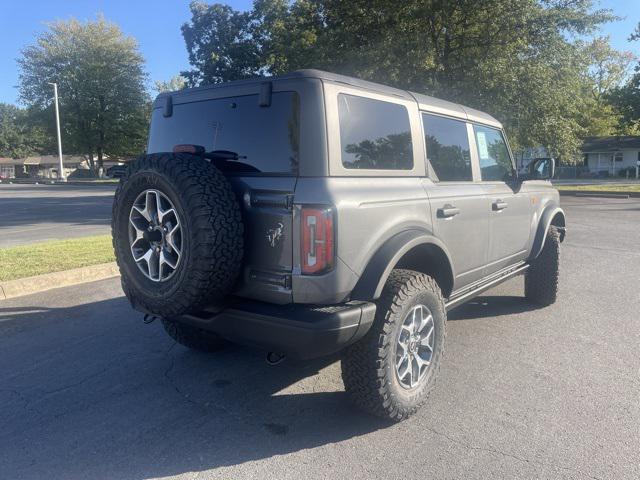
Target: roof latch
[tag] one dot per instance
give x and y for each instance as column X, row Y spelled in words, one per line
column 168, row 106
column 265, row 94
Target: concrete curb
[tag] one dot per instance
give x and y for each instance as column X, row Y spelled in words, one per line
column 48, row 281
column 596, row 193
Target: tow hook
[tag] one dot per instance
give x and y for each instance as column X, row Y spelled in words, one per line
column 274, row 358
column 148, row 318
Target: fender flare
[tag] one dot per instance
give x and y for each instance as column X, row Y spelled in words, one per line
column 379, row 267
column 548, row 217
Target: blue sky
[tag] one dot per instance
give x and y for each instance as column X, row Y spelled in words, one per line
column 156, row 26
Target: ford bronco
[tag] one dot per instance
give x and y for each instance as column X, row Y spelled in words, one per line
column 314, row 213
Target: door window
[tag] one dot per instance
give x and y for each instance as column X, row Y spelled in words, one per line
column 495, row 161
column 374, row 134
column 447, row 149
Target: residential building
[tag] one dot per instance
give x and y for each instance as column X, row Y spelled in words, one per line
column 611, row 156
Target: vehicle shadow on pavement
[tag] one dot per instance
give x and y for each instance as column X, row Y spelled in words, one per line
column 91, row 392
column 491, row 306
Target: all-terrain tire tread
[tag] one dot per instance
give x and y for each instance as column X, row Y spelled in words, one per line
column 363, row 364
column 216, row 225
column 541, row 280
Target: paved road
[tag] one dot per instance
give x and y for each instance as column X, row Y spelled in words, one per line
column 88, row 391
column 34, row 213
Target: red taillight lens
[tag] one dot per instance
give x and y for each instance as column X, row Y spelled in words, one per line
column 317, row 240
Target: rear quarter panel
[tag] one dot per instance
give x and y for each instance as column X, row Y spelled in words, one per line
column 369, row 211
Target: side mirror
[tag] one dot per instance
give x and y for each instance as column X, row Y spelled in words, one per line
column 541, row 169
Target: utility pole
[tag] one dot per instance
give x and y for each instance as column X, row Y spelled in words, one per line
column 61, row 175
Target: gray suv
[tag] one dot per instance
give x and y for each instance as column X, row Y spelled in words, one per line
column 314, row 213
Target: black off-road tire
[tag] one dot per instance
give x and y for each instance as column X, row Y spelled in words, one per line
column 211, row 226
column 192, row 337
column 368, row 366
column 541, row 279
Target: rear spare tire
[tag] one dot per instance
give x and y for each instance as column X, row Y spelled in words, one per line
column 177, row 233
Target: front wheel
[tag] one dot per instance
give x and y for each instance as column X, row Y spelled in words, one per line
column 541, row 280
column 391, row 371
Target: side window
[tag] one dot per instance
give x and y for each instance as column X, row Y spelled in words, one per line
column 495, row 162
column 374, row 134
column 447, row 148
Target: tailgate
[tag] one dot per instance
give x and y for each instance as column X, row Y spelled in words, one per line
column 268, row 225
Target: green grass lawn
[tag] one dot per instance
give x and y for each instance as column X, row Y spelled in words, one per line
column 55, row 256
column 600, row 188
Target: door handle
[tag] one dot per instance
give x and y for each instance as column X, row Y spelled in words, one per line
column 448, row 211
column 499, row 205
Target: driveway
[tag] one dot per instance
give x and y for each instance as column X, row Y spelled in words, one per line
column 35, row 213
column 88, row 391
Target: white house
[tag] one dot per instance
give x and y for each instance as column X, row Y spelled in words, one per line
column 612, row 156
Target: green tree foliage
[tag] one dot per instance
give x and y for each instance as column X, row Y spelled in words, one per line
column 520, row 60
column 20, row 134
column 627, row 97
column 608, row 69
column 178, row 82
column 100, row 74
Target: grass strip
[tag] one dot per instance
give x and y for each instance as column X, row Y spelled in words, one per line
column 54, row 256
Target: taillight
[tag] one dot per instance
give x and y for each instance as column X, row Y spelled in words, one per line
column 317, row 240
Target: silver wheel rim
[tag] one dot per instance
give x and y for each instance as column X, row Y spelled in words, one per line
column 155, row 235
column 414, row 348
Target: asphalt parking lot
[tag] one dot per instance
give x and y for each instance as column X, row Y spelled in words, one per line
column 36, row 213
column 88, row 391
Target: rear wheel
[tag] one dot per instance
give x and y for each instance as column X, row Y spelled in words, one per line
column 541, row 280
column 391, row 371
column 192, row 337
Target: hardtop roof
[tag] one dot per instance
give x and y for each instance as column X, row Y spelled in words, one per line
column 425, row 102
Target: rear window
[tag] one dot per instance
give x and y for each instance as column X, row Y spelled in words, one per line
column 266, row 136
column 374, row 134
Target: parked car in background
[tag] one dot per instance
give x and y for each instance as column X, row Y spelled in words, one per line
column 116, row 171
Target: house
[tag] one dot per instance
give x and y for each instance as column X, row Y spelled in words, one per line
column 612, row 156
column 47, row 166
column 10, row 167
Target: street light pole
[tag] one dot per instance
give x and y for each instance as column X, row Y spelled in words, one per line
column 61, row 175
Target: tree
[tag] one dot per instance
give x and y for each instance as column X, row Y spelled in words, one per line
column 219, row 44
column 178, row 82
column 20, row 134
column 101, row 82
column 608, row 69
column 627, row 97
column 513, row 58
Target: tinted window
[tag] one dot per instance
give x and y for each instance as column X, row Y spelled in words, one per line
column 495, row 162
column 267, row 136
column 374, row 134
column 447, row 148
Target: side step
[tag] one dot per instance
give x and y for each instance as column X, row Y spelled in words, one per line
column 466, row 295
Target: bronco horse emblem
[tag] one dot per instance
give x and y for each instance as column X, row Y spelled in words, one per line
column 274, row 234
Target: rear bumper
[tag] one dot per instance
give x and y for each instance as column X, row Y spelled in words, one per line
column 299, row 331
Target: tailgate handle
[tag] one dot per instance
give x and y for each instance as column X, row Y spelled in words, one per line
column 448, row 211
